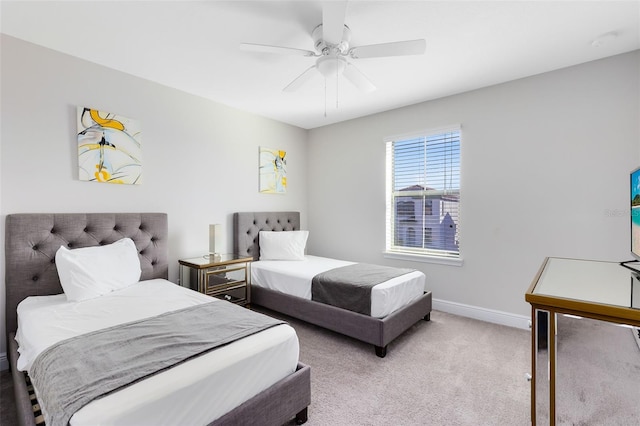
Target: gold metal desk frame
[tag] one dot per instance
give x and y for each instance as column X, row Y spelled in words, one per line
column 592, row 289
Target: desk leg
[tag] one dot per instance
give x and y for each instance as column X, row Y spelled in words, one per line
column 552, row 368
column 534, row 349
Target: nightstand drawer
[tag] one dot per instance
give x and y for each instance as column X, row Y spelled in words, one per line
column 233, row 295
column 221, row 279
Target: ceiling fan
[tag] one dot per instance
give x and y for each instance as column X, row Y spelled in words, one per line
column 331, row 42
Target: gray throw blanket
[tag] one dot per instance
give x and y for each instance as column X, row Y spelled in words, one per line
column 74, row 372
column 349, row 287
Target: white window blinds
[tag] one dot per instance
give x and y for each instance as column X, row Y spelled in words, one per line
column 423, row 194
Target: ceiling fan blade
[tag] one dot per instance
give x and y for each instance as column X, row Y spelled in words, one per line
column 300, row 80
column 264, row 48
column 355, row 76
column 333, row 16
column 396, row 48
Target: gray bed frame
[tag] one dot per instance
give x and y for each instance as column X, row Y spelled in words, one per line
column 31, row 241
column 376, row 331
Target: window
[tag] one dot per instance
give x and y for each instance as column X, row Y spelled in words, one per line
column 423, row 194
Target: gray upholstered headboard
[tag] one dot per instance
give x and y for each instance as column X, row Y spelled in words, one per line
column 247, row 225
column 32, row 239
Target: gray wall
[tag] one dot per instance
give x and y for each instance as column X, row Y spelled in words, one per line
column 545, row 169
column 200, row 158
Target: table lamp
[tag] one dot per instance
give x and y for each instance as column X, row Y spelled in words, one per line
column 215, row 243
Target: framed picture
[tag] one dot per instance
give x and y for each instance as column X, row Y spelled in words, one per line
column 109, row 148
column 273, row 171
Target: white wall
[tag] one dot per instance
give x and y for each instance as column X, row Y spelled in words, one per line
column 200, row 158
column 544, row 159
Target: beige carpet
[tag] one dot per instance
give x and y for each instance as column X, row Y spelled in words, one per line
column 449, row 371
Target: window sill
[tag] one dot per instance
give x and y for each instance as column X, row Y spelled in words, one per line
column 423, row 258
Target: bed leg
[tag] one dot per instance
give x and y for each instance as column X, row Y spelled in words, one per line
column 427, row 317
column 381, row 351
column 302, row 416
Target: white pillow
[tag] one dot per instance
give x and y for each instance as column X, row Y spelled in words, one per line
column 283, row 245
column 90, row 272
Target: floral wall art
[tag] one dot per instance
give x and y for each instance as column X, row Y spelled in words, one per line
column 273, row 171
column 109, row 147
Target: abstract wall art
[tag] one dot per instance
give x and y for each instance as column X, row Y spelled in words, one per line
column 109, row 147
column 273, row 171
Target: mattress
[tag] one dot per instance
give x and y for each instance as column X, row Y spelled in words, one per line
column 294, row 277
column 195, row 392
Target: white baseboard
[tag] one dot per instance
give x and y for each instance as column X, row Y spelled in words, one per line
column 4, row 361
column 482, row 314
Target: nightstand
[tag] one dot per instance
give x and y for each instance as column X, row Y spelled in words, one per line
column 226, row 277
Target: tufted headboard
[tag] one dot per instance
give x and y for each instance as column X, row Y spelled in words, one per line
column 32, row 239
column 246, row 226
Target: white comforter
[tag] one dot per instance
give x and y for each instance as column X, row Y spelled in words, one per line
column 195, row 392
column 294, row 277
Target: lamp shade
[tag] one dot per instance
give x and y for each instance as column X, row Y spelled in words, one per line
column 215, row 238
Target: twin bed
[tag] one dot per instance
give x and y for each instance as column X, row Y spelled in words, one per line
column 254, row 380
column 285, row 286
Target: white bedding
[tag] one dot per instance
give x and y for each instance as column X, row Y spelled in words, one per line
column 195, row 392
column 294, row 277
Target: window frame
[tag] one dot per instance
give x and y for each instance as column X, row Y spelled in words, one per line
column 437, row 256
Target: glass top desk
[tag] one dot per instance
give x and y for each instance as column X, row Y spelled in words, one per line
column 604, row 291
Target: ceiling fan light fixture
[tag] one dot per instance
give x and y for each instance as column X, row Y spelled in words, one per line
column 331, row 65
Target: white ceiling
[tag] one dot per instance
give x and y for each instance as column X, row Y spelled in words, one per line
column 194, row 46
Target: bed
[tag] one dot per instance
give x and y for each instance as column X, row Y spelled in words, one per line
column 377, row 330
column 216, row 387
